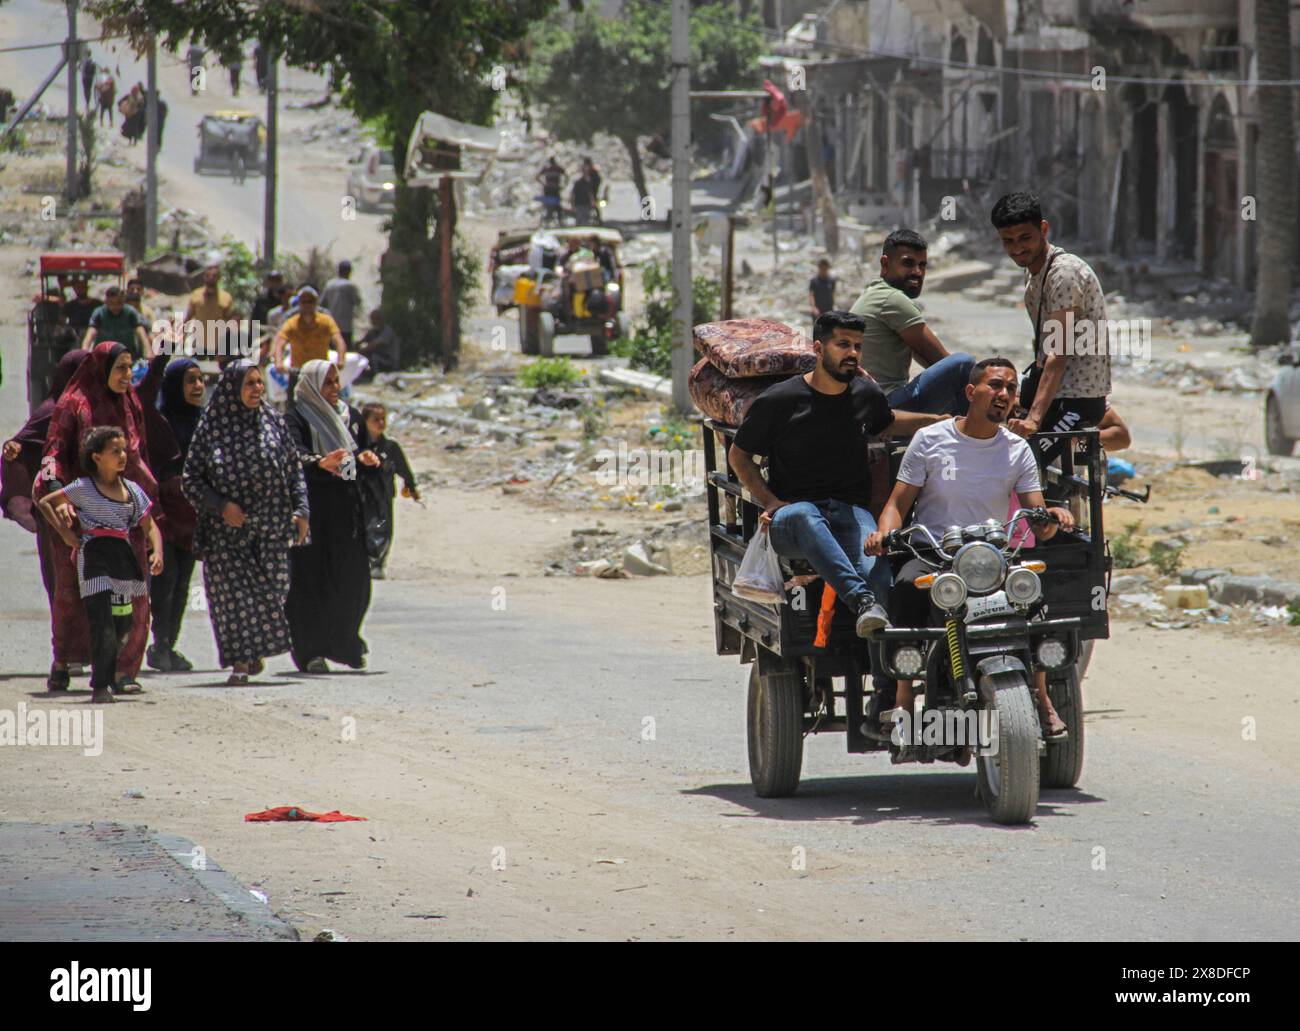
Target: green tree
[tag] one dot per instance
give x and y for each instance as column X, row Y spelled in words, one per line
column 592, row 73
column 389, row 61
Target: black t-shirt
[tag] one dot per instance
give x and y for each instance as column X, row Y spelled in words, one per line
column 823, row 291
column 816, row 443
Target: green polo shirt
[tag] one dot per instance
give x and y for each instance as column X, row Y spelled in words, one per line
column 888, row 312
column 119, row 328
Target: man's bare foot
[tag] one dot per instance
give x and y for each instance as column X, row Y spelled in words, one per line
column 1052, row 724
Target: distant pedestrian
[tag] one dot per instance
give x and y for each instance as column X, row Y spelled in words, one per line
column 269, row 297
column 108, row 506
column 234, row 63
column 342, row 298
column 821, row 290
column 594, row 179
column 117, row 320
column 194, row 61
column 245, row 479
column 381, row 347
column 105, row 94
column 378, row 485
column 88, row 69
column 260, row 65
column 330, row 582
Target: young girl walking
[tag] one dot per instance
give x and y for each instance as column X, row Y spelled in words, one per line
column 108, row 507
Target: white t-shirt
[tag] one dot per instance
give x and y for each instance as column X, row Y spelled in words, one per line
column 966, row 480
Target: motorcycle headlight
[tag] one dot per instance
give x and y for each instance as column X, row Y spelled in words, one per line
column 948, row 590
column 908, row 661
column 1023, row 586
column 1051, row 653
column 980, row 565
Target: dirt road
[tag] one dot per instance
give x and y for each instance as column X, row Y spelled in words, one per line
column 573, row 765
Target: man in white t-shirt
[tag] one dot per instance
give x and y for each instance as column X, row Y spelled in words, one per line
column 958, row 472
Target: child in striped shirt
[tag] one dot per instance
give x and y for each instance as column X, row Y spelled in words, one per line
column 108, row 507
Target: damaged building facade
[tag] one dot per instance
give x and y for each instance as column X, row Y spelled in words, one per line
column 921, row 100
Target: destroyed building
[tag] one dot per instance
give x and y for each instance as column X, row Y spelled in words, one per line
column 1135, row 121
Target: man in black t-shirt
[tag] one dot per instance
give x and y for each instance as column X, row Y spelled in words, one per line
column 813, row 429
column 821, row 290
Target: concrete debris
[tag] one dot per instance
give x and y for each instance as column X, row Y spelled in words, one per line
column 638, row 563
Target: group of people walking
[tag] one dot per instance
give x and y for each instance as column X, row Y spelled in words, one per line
column 127, row 487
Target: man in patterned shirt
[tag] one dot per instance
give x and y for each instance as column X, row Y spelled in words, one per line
column 1066, row 387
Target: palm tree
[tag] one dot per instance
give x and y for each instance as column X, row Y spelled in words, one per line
column 1277, row 177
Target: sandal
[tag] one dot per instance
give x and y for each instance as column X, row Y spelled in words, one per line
column 58, row 680
column 130, row 687
column 1061, row 733
column 237, row 680
column 101, row 695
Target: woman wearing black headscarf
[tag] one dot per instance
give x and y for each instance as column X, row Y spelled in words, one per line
column 330, row 584
column 243, row 476
column 172, row 395
column 22, row 462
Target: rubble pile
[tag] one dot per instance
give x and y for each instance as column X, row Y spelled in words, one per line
column 676, row 548
column 557, row 447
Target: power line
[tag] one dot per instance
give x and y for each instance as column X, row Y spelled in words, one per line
column 60, row 43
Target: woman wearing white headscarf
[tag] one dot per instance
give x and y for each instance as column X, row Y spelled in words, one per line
column 329, row 583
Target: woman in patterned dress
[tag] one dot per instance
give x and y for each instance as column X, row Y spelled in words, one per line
column 244, row 478
column 99, row 394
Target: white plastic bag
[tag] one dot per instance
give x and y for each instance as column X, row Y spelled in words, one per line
column 759, row 576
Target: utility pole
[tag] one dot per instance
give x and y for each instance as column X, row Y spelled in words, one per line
column 151, row 150
column 269, row 171
column 681, row 153
column 71, row 49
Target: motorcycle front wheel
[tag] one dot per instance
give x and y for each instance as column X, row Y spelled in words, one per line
column 1009, row 777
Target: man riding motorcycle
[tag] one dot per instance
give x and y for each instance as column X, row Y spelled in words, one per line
column 960, row 472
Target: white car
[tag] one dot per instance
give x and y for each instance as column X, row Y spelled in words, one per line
column 372, row 179
column 1282, row 402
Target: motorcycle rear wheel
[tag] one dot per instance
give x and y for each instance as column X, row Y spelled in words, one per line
column 1008, row 781
column 1062, row 763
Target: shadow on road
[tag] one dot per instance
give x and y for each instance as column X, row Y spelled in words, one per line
column 942, row 799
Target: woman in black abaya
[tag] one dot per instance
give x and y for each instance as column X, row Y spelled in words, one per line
column 329, row 583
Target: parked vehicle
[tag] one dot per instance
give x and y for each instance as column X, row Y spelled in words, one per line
column 231, row 141
column 1282, row 402
column 48, row 339
column 372, row 179
column 581, row 296
column 1008, row 610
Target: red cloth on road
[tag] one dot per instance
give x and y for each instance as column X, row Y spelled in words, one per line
column 293, row 814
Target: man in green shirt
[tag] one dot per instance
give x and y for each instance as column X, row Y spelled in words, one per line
column 896, row 334
column 117, row 321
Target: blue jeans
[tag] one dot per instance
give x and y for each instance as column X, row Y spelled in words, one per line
column 829, row 535
column 940, row 389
